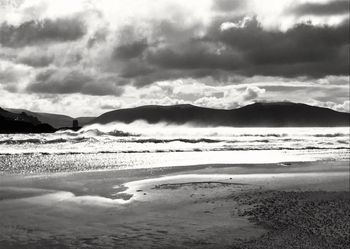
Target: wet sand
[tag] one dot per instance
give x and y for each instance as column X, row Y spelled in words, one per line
column 204, row 206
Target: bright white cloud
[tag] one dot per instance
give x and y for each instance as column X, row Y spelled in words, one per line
column 238, row 25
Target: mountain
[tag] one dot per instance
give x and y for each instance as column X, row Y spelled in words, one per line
column 22, row 123
column 276, row 114
column 55, row 120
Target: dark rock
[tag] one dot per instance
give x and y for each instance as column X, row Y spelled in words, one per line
column 75, row 124
column 15, row 126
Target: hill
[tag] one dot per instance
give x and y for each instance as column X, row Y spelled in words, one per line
column 276, row 114
column 55, row 120
column 22, row 123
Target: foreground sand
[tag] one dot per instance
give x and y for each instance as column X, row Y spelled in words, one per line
column 297, row 205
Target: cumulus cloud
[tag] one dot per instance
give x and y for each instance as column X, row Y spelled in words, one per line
column 236, row 25
column 341, row 107
column 198, row 93
column 233, row 98
column 252, row 93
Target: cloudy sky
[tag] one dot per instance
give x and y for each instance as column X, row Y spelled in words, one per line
column 86, row 57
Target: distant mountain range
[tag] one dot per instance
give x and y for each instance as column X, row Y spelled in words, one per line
column 55, row 120
column 276, row 114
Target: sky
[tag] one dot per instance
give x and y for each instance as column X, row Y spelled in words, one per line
column 87, row 57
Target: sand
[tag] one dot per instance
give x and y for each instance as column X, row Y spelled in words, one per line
column 316, row 219
column 204, row 206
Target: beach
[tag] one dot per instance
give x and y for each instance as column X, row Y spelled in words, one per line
column 201, row 206
column 174, row 124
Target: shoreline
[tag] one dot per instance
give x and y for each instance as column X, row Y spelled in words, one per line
column 23, row 164
column 178, row 207
column 79, row 180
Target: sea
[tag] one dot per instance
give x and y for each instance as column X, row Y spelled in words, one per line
column 140, row 145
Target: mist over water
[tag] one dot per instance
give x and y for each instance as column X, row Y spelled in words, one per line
column 141, row 144
column 143, row 137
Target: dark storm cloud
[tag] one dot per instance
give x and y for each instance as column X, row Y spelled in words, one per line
column 38, row 32
column 195, row 54
column 337, row 7
column 303, row 50
column 36, row 61
column 132, row 50
column 57, row 82
column 50, row 82
column 136, row 68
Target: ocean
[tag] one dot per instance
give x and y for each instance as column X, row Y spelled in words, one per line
column 140, row 145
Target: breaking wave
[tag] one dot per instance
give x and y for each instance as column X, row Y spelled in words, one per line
column 141, row 137
column 141, row 145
